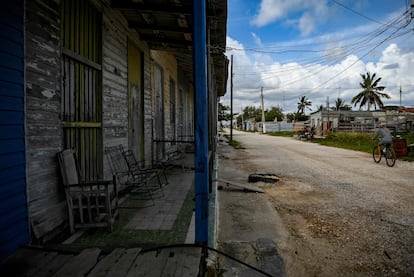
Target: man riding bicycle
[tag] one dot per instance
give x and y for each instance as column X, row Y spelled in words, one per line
column 385, row 134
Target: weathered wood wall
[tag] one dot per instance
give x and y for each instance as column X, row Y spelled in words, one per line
column 168, row 64
column 115, row 83
column 46, row 200
column 46, row 203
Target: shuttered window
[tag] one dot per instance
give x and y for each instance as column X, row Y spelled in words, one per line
column 81, row 107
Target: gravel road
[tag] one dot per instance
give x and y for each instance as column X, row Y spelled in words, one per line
column 336, row 212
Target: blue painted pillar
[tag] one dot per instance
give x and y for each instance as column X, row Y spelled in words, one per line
column 201, row 121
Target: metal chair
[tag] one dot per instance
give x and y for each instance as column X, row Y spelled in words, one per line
column 132, row 184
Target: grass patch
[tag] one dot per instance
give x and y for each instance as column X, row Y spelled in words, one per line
column 282, row 134
column 233, row 143
column 122, row 237
column 354, row 141
column 359, row 142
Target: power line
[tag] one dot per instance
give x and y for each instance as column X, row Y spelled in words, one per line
column 358, row 13
column 357, row 46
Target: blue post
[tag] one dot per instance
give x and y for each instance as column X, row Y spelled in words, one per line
column 201, row 121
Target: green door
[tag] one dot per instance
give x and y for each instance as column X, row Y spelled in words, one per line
column 135, row 102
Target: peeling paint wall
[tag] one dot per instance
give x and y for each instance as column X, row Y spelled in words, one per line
column 46, row 202
column 44, row 131
column 184, row 100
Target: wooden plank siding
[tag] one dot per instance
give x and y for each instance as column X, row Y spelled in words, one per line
column 77, row 96
column 168, row 64
column 13, row 202
column 92, row 262
column 46, row 203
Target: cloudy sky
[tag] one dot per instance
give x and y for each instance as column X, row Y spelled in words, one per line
column 318, row 49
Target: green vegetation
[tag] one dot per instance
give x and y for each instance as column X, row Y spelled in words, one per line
column 358, row 141
column 234, row 143
column 371, row 92
column 354, row 141
column 282, row 134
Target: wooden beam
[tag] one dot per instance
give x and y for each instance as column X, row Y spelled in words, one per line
column 165, row 40
column 151, row 8
column 169, row 29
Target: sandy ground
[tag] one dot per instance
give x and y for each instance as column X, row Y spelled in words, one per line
column 334, row 212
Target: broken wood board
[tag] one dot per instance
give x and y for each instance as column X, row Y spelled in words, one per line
column 242, row 186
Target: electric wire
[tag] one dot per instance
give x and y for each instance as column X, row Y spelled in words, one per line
column 358, row 47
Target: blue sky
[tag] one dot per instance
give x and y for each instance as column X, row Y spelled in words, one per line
column 318, row 48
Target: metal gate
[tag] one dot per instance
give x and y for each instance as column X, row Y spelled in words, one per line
column 82, row 84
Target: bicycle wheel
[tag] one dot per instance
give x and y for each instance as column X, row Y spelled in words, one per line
column 390, row 156
column 376, row 154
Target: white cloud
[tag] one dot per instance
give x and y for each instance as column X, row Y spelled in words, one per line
column 285, row 82
column 310, row 12
column 257, row 40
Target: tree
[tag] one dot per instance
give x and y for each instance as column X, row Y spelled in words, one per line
column 339, row 103
column 320, row 108
column 274, row 112
column 223, row 112
column 303, row 104
column 251, row 112
column 371, row 92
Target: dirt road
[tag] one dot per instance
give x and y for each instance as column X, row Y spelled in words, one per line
column 334, row 212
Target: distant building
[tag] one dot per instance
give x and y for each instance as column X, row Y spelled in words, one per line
column 397, row 118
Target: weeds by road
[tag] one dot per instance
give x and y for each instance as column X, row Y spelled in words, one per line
column 354, row 141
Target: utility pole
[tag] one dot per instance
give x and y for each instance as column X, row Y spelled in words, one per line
column 412, row 8
column 400, row 96
column 231, row 99
column 263, row 115
column 327, row 109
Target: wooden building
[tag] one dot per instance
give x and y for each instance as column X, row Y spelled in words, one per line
column 86, row 74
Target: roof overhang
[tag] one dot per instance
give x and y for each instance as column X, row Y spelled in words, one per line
column 167, row 25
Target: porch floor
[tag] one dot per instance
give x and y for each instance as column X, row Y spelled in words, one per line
column 137, row 246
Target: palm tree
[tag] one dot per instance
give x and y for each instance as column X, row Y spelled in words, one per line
column 339, row 103
column 302, row 104
column 371, row 92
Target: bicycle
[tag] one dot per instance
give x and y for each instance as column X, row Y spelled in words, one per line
column 387, row 151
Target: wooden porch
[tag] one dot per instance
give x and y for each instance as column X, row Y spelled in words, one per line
column 139, row 244
column 170, row 261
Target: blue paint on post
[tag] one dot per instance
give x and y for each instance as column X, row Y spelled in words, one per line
column 201, row 122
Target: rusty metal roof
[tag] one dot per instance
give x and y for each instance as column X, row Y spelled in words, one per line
column 167, row 25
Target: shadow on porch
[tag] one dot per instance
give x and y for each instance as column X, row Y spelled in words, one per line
column 136, row 246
